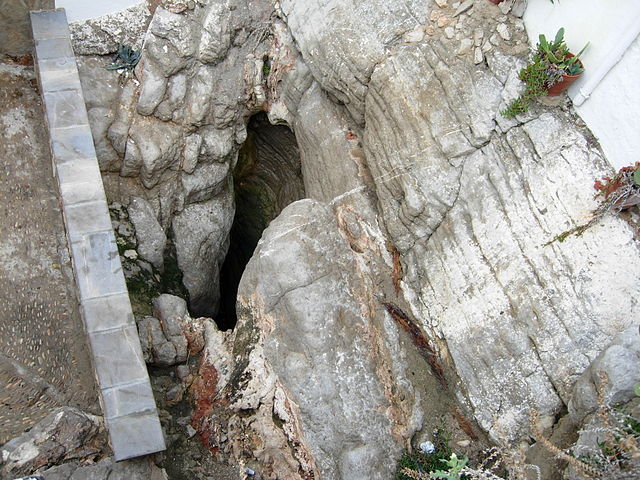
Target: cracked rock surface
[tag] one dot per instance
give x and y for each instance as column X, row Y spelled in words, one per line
column 421, row 247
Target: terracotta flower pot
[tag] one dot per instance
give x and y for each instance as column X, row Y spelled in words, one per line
column 566, row 81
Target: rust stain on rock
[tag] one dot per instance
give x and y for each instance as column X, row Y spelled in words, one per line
column 204, row 391
column 397, row 273
column 419, row 340
column 464, row 424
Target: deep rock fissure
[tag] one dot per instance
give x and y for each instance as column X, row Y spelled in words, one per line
column 267, row 178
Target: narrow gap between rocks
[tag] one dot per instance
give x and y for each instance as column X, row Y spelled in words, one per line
column 267, row 178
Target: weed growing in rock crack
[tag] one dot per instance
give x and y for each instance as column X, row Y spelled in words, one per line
column 422, row 462
column 535, row 78
column 618, row 193
column 617, row 456
column 126, row 59
column 441, row 462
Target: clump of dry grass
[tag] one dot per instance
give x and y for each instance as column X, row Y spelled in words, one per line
column 616, row 457
column 618, row 454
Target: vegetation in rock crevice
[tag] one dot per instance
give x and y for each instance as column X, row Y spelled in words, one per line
column 617, row 193
column 144, row 282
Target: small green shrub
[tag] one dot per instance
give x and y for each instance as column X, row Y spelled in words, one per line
column 536, row 79
column 455, row 466
column 426, row 462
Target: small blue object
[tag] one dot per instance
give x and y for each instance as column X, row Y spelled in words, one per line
column 32, row 477
column 427, row 447
column 249, row 472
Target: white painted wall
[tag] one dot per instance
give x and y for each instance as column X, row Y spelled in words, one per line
column 611, row 110
column 84, row 9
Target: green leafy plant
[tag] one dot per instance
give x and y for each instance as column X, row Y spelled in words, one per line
column 126, row 58
column 558, row 55
column 425, row 463
column 455, row 466
column 536, row 78
column 551, row 61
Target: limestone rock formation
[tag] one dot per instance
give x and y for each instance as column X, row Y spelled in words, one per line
column 64, row 435
column 317, row 314
column 614, row 371
column 202, row 239
column 107, row 469
column 151, row 238
column 424, row 246
column 170, row 336
column 172, row 137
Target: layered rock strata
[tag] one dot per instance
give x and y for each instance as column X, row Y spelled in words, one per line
column 422, row 246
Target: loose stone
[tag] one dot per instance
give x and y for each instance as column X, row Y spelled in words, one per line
column 503, row 31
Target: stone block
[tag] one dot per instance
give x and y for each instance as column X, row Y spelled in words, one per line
column 128, row 399
column 97, row 265
column 83, row 170
column 58, row 74
column 52, row 48
column 135, row 435
column 49, row 24
column 86, row 217
column 65, row 108
column 117, row 357
column 107, row 313
column 73, row 193
column 70, row 143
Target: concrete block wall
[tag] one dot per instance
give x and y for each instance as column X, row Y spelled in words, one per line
column 127, row 400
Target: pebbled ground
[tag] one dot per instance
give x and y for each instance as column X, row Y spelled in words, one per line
column 44, row 358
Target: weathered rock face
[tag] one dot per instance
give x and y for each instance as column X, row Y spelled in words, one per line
column 151, row 238
column 107, row 469
column 66, row 434
column 614, row 371
column 421, row 193
column 172, row 138
column 311, row 319
column 307, row 304
column 469, row 205
column 347, row 41
column 171, row 335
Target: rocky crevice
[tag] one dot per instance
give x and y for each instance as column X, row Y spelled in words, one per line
column 267, row 178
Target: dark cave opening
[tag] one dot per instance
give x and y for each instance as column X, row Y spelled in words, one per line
column 267, row 178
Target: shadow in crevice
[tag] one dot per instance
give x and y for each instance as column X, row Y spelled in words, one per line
column 267, row 178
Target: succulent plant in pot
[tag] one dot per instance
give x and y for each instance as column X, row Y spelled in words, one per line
column 551, row 71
